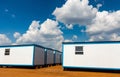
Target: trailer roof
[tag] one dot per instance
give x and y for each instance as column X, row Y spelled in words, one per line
column 58, row 51
column 22, row 45
column 92, row 42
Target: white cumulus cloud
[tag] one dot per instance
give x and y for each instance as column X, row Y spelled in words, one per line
column 68, row 40
column 4, row 40
column 75, row 12
column 105, row 26
column 69, row 26
column 115, row 36
column 99, row 5
column 105, row 37
column 104, row 22
column 46, row 34
column 100, row 25
column 16, row 35
column 74, row 37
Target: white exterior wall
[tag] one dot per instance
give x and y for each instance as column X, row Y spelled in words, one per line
column 39, row 56
column 94, row 56
column 22, row 55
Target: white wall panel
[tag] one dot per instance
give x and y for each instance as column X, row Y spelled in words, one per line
column 94, row 55
column 22, row 55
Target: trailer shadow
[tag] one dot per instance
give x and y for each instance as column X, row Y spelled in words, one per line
column 30, row 67
column 92, row 70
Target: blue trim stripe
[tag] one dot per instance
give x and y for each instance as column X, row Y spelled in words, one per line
column 87, row 67
column 95, row 42
column 15, row 65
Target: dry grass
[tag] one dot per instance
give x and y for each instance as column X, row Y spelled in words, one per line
column 54, row 71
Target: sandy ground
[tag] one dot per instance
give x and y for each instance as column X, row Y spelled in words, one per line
column 53, row 71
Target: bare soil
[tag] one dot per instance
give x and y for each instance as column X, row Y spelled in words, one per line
column 53, row 71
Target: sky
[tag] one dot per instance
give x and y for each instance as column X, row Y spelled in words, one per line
column 51, row 22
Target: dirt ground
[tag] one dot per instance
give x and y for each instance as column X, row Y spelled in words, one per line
column 53, row 71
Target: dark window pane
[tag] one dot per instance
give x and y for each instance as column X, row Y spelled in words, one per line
column 78, row 52
column 7, row 51
column 78, row 48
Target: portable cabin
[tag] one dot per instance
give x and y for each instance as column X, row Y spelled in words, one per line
column 57, row 57
column 22, row 55
column 49, row 56
column 91, row 55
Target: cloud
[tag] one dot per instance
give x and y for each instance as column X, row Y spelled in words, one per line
column 98, row 37
column 46, row 34
column 68, row 40
column 75, row 12
column 4, row 40
column 105, row 37
column 104, row 22
column 74, row 37
column 105, row 26
column 82, row 30
column 69, row 26
column 99, row 5
column 100, row 25
column 17, row 35
column 115, row 36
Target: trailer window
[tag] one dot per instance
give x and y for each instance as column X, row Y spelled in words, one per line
column 78, row 49
column 7, row 51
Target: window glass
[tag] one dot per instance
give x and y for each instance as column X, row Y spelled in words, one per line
column 78, row 49
column 7, row 51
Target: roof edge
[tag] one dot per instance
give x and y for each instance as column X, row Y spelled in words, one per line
column 90, row 42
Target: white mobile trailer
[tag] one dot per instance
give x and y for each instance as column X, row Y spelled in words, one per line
column 91, row 55
column 22, row 55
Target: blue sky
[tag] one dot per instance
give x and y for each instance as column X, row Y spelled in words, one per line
column 17, row 15
column 72, row 21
